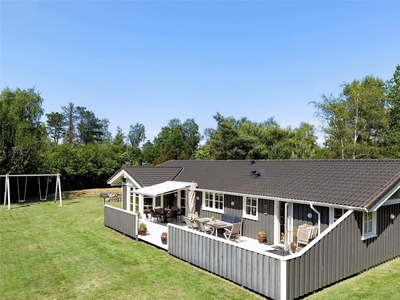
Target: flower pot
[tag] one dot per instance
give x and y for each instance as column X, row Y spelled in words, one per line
column 142, row 230
column 293, row 246
column 164, row 239
column 262, row 238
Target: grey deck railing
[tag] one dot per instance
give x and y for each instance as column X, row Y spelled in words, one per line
column 251, row 269
column 120, row 220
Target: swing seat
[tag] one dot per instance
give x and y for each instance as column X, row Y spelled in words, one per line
column 21, row 200
column 43, row 199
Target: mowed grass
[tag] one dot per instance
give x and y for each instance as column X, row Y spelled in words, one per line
column 53, row 252
column 381, row 282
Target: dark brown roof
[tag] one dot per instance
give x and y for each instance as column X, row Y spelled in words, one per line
column 356, row 183
column 147, row 176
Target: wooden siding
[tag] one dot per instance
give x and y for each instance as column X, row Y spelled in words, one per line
column 250, row 227
column 126, row 192
column 120, row 220
column 342, row 253
column 251, row 269
column 300, row 212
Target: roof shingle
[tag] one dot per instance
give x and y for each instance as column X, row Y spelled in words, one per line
column 357, row 183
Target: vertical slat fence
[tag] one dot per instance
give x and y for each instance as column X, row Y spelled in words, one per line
column 121, row 220
column 251, row 269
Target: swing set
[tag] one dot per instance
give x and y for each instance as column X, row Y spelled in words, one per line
column 7, row 197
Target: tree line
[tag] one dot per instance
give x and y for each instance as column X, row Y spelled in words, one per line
column 361, row 122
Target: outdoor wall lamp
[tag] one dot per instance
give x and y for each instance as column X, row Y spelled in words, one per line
column 309, row 215
column 232, row 203
column 197, row 198
column 175, row 195
column 392, row 216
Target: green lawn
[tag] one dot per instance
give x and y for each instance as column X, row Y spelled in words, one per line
column 381, row 282
column 52, row 252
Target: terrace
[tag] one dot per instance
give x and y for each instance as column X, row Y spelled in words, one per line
column 156, row 228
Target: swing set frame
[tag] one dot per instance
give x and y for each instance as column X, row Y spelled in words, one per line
column 7, row 194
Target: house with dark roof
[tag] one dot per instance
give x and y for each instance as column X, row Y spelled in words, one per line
column 352, row 208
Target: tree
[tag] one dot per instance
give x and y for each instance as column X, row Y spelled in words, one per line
column 137, row 134
column 70, row 116
column 226, row 142
column 55, row 126
column 355, row 121
column 177, row 141
column 88, row 126
column 22, row 135
column 393, row 100
column 107, row 136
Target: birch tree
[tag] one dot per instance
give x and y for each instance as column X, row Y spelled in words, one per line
column 355, row 122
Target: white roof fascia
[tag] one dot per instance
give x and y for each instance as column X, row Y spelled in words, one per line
column 123, row 174
column 307, row 202
column 162, row 188
column 385, row 198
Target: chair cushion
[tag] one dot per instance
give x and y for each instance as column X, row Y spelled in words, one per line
column 230, row 219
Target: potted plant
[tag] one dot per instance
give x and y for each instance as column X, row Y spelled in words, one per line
column 262, row 237
column 142, row 228
column 213, row 218
column 164, row 238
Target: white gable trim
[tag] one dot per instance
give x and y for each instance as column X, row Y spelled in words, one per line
column 122, row 174
column 385, row 198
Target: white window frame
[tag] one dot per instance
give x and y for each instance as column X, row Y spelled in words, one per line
column 212, row 202
column 332, row 218
column 245, row 214
column 372, row 222
column 184, row 199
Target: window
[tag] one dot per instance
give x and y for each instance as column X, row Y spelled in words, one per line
column 250, row 207
column 369, row 225
column 183, row 202
column 133, row 203
column 338, row 212
column 213, row 201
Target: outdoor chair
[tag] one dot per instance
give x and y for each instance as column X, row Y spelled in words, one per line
column 234, row 233
column 178, row 211
column 190, row 223
column 172, row 214
column 155, row 214
column 303, row 237
column 204, row 228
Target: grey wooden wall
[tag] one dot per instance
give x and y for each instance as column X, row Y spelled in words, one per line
column 300, row 212
column 250, row 227
column 120, row 220
column 253, row 270
column 342, row 253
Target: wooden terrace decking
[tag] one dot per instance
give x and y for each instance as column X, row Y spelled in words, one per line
column 156, row 228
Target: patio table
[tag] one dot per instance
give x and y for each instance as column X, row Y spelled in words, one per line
column 218, row 225
column 204, row 220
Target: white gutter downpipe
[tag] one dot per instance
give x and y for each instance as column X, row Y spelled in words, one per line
column 286, row 226
column 319, row 218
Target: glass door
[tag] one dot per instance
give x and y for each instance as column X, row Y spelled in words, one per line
column 182, row 202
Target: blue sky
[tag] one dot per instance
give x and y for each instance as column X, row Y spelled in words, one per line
column 150, row 61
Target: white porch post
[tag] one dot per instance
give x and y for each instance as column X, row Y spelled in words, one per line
column 277, row 225
column 58, row 188
column 7, row 191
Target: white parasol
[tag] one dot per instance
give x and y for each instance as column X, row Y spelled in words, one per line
column 192, row 201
